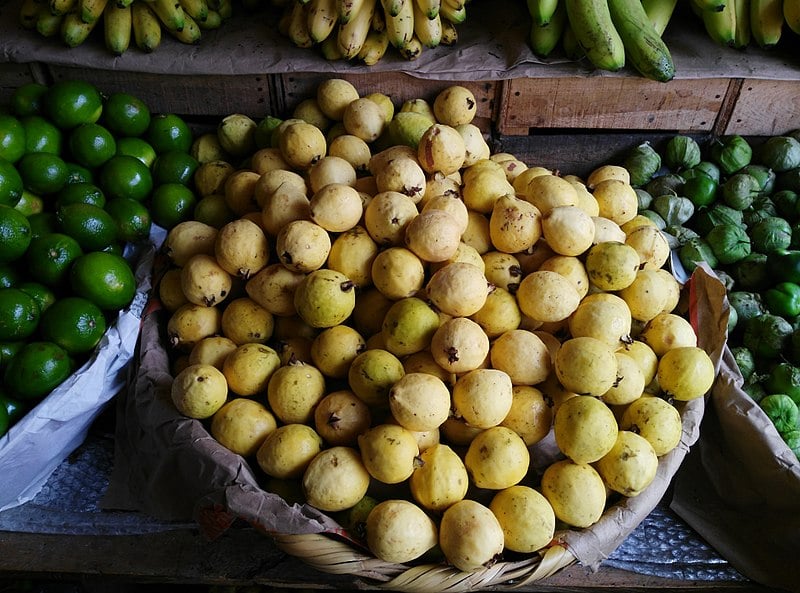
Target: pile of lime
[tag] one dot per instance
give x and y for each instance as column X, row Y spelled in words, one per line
column 78, row 173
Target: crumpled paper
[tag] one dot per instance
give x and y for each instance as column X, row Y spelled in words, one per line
column 35, row 446
column 168, row 465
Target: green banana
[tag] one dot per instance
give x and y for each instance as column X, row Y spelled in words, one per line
column 545, row 38
column 741, row 37
column 660, row 13
column 766, row 21
column 721, row 24
column 569, row 43
column 713, row 5
column 791, row 13
column 596, row 33
column 647, row 52
column 542, row 11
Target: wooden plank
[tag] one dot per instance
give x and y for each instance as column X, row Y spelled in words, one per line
column 621, row 103
column 211, row 96
column 13, row 76
column 765, row 108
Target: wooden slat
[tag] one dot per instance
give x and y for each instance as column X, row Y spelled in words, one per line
column 13, row 76
column 618, row 103
column 765, row 108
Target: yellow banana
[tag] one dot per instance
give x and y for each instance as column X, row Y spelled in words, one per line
column 453, row 4
column 449, row 33
column 329, row 47
column 374, row 47
column 213, row 20
column 190, row 33
column 412, row 49
column 74, row 30
column 601, row 42
column 542, row 11
column 47, row 23
column 659, row 12
column 545, row 38
column 91, row 10
column 454, row 13
column 322, row 17
column 430, row 8
column 170, row 13
column 29, row 13
column 766, row 22
column 741, row 37
column 721, row 24
column 62, row 6
column 352, row 35
column 400, row 27
column 347, row 8
column 393, row 7
column 146, row 26
column 644, row 48
column 117, row 28
column 428, row 31
column 197, row 9
column 791, row 13
column 297, row 29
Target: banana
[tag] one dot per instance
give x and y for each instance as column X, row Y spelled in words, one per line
column 190, row 33
column 29, row 13
column 213, row 21
column 430, row 8
column 47, row 23
column 455, row 13
column 601, row 42
column 449, row 33
column 766, row 22
column 453, row 4
column 347, row 8
column 393, row 7
column 400, row 27
column 542, row 11
column 352, row 36
column 427, row 30
column 412, row 49
column 146, row 26
column 223, row 7
column 74, row 30
column 721, row 24
column 660, row 13
column 713, row 5
column 123, row 3
column 741, row 38
column 645, row 49
column 197, row 9
column 374, row 48
column 329, row 47
column 62, row 6
column 569, row 43
column 117, row 28
column 91, row 10
column 378, row 20
column 791, row 13
column 297, row 28
column 322, row 17
column 170, row 13
column 545, row 38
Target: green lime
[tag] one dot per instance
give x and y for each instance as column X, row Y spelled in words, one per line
column 49, row 258
column 9, row 276
column 11, row 184
column 174, row 167
column 125, row 114
column 213, row 210
column 700, row 189
column 80, row 193
column 19, row 314
column 43, row 295
column 41, row 135
column 168, row 131
column 43, row 223
column 78, row 174
column 116, row 248
column 132, row 219
column 15, row 234
column 27, row 99
column 91, row 145
column 43, row 173
column 8, row 350
column 14, row 408
column 30, row 203
column 70, row 103
column 37, row 369
column 12, row 138
column 106, row 279
column 74, row 323
column 125, row 176
column 171, row 204
column 136, row 147
column 91, row 226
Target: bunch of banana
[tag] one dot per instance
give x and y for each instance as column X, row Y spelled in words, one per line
column 364, row 30
column 606, row 32
column 737, row 23
column 140, row 22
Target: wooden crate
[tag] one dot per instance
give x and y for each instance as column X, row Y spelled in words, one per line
column 13, row 76
column 609, row 102
column 765, row 108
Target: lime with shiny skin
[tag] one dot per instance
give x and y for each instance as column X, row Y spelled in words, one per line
column 37, row 369
column 124, row 176
column 74, row 323
column 49, row 258
column 19, row 314
column 15, row 234
column 104, row 278
column 70, row 103
column 125, row 114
